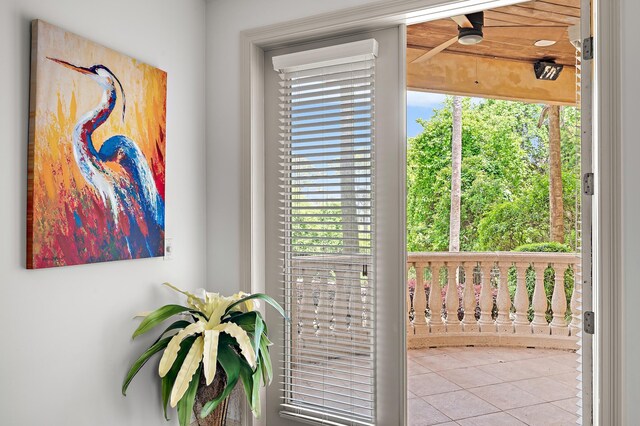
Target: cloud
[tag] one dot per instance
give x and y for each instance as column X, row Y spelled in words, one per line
column 423, row 99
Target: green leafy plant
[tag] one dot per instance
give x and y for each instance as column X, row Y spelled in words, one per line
column 208, row 331
column 548, row 247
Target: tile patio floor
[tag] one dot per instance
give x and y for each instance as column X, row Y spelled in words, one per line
column 476, row 386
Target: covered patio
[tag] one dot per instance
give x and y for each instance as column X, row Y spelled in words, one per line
column 491, row 386
column 486, row 348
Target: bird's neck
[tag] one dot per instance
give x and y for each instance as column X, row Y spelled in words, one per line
column 94, row 119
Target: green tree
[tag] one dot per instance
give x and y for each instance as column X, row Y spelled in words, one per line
column 504, row 179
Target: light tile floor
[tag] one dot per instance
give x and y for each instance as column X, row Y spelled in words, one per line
column 476, row 386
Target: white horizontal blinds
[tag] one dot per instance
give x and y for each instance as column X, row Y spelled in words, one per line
column 327, row 228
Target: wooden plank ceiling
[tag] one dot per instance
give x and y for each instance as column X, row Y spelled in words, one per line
column 500, row 66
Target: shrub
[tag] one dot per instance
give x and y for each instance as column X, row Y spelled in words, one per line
column 548, row 247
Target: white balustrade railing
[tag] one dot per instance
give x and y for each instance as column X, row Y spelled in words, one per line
column 471, row 298
column 332, row 302
column 480, row 299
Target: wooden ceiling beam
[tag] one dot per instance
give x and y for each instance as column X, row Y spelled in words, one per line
column 525, row 16
column 465, row 75
column 491, row 54
column 570, row 3
column 555, row 8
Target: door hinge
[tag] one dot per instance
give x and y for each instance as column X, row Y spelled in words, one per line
column 587, row 184
column 589, row 323
column 587, row 48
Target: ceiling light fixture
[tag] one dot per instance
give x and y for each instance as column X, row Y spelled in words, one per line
column 544, row 43
column 472, row 35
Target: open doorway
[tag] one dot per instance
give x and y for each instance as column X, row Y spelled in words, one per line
column 494, row 217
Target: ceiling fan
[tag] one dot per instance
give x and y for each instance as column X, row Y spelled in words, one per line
column 471, row 30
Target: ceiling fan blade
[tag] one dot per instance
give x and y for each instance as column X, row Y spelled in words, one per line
column 462, row 21
column 526, row 31
column 434, row 51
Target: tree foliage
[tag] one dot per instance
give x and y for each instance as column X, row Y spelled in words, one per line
column 505, row 184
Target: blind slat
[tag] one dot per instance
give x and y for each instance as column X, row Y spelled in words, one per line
column 301, row 366
column 344, row 115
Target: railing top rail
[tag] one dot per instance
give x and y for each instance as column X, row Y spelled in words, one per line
column 495, row 256
column 458, row 257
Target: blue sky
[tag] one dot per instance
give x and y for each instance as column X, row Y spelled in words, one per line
column 421, row 105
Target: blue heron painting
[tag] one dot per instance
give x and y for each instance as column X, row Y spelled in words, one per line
column 97, row 153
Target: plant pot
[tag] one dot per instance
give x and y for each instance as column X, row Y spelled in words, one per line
column 206, row 393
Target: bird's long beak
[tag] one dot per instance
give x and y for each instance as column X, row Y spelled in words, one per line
column 71, row 66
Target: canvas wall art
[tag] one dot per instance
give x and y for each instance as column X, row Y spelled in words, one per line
column 96, row 183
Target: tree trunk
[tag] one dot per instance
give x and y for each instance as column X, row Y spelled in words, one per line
column 456, row 166
column 206, row 393
column 556, row 207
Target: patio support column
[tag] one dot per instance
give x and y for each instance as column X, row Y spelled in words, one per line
column 486, row 299
column 420, row 302
column 503, row 322
column 539, row 323
column 559, row 302
column 521, row 300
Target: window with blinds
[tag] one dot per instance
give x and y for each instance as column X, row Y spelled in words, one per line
column 327, row 229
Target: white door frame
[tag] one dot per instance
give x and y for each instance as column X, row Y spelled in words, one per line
column 608, row 397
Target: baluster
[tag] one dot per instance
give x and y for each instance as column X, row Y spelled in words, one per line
column 503, row 300
column 436, row 325
column 316, row 298
column 469, row 322
column 298, row 300
column 342, row 301
column 420, row 303
column 348, row 318
column 410, row 330
column 539, row 302
column 576, row 299
column 357, row 307
column 365, row 296
column 486, row 299
column 521, row 300
column 559, row 302
column 332, row 287
column 452, row 300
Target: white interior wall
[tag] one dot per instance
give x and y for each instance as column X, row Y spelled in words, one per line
column 225, row 20
column 66, row 331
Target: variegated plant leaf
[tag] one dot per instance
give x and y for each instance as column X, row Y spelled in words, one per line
column 155, row 348
column 210, row 359
column 189, row 367
column 260, row 296
column 265, row 358
column 178, row 325
column 243, row 340
column 158, row 316
column 185, row 405
column 169, row 380
column 255, row 394
column 170, row 354
column 231, row 364
column 192, row 299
